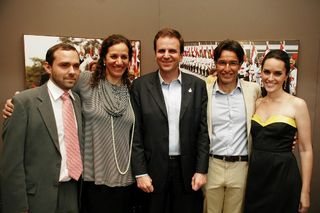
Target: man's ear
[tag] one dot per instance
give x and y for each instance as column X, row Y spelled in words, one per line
column 47, row 67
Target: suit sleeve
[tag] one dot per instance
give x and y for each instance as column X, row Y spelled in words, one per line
column 13, row 187
column 259, row 91
column 83, row 82
column 203, row 137
column 138, row 158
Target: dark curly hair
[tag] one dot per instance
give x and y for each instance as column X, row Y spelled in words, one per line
column 100, row 72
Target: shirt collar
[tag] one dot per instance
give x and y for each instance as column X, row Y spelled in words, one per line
column 163, row 82
column 56, row 91
column 217, row 89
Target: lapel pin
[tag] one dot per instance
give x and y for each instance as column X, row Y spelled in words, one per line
column 190, row 90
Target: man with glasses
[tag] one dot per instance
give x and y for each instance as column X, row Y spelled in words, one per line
column 231, row 103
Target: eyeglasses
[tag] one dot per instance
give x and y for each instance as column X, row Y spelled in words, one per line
column 232, row 64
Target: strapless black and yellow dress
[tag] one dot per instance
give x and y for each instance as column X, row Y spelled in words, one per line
column 274, row 181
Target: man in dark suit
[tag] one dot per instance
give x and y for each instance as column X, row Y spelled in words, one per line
column 38, row 174
column 171, row 143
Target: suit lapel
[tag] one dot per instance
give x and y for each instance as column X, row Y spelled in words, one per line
column 46, row 111
column 248, row 102
column 154, row 88
column 77, row 110
column 187, row 93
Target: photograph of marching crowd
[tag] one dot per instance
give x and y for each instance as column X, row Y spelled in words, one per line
column 198, row 59
column 35, row 47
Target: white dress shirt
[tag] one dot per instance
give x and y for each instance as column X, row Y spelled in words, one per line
column 55, row 93
column 172, row 97
column 229, row 130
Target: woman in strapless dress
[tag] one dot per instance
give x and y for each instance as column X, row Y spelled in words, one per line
column 275, row 183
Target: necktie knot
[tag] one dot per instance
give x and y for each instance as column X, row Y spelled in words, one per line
column 65, row 96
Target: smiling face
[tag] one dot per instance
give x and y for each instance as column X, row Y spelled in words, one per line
column 64, row 71
column 227, row 68
column 273, row 75
column 116, row 62
column 168, row 55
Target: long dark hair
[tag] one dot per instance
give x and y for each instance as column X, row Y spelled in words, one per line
column 100, row 72
column 284, row 57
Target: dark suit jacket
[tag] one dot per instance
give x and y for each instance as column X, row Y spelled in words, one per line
column 31, row 160
column 150, row 154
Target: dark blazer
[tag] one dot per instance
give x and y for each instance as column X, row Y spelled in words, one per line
column 150, row 153
column 31, row 160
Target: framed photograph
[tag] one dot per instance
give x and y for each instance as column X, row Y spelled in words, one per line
column 198, row 59
column 36, row 46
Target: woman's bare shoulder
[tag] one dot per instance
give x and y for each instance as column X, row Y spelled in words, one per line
column 298, row 103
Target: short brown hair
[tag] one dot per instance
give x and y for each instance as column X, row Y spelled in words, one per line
column 61, row 46
column 169, row 32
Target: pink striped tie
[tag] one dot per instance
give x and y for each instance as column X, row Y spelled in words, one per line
column 71, row 140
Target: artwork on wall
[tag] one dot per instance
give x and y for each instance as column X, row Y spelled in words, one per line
column 198, row 58
column 36, row 46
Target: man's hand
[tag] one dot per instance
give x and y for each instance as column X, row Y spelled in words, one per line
column 198, row 180
column 295, row 142
column 8, row 109
column 145, row 183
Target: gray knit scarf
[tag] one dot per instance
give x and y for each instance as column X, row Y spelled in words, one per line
column 115, row 99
